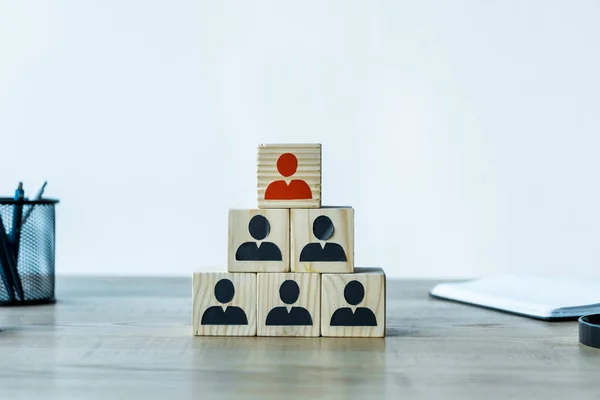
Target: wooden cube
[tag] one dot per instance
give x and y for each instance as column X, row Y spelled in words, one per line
column 322, row 240
column 259, row 241
column 289, row 304
column 353, row 305
column 289, row 176
column 224, row 304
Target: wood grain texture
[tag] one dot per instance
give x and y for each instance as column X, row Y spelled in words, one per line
column 279, row 221
column 301, row 226
column 332, row 299
column 204, row 297
column 309, row 170
column 129, row 338
column 269, row 298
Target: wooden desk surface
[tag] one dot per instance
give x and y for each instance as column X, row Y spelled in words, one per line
column 125, row 338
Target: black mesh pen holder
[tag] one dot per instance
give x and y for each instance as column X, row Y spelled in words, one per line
column 27, row 270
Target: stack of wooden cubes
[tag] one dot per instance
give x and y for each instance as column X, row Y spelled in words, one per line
column 290, row 269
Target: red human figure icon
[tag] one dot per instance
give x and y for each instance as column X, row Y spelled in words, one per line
column 297, row 189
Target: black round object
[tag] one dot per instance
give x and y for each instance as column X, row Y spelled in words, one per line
column 289, row 291
column 354, row 292
column 323, row 227
column 259, row 227
column 589, row 330
column 224, row 291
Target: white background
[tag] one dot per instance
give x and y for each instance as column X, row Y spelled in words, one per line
column 466, row 135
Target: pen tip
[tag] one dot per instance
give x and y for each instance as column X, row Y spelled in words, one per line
column 20, row 185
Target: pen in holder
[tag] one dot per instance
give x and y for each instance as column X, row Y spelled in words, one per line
column 27, row 267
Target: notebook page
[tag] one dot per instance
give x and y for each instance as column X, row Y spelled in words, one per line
column 526, row 294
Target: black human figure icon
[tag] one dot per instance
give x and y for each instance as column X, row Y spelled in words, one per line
column 289, row 291
column 354, row 293
column 323, row 230
column 230, row 315
column 259, row 229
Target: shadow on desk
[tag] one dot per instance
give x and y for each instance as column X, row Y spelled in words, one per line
column 328, row 366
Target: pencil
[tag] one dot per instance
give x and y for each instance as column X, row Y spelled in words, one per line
column 15, row 236
column 5, row 267
column 38, row 196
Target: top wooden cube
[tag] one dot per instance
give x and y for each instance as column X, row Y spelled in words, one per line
column 289, row 176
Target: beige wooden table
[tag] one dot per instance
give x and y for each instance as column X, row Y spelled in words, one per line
column 111, row 338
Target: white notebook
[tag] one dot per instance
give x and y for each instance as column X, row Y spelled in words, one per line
column 548, row 298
